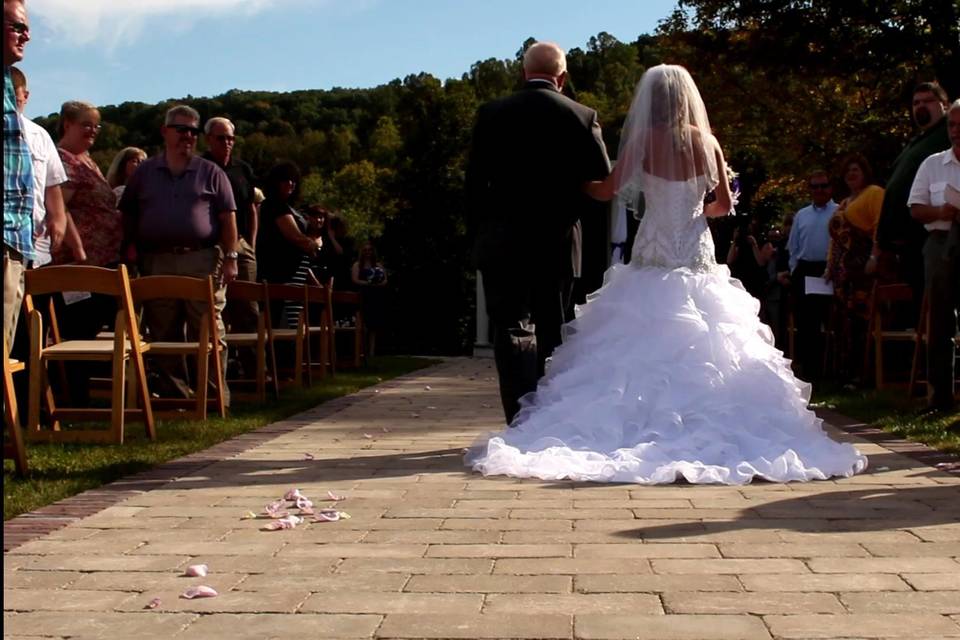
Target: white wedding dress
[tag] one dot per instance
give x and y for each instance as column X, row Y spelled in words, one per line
column 667, row 374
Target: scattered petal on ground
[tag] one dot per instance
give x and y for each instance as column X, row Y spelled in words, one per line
column 153, row 604
column 249, row 515
column 276, row 509
column 414, row 415
column 327, row 515
column 196, row 570
column 292, row 494
column 385, row 430
column 308, row 456
column 288, row 522
column 427, row 388
column 303, row 503
column 367, row 436
column 335, row 497
column 201, row 591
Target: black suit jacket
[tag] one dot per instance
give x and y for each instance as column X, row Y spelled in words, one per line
column 532, row 151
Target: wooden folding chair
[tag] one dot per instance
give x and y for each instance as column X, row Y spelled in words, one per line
column 286, row 294
column 917, row 372
column 319, row 319
column 126, row 347
column 242, row 291
column 349, row 300
column 204, row 349
column 12, row 449
column 883, row 302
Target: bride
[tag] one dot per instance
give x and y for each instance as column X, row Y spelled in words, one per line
column 667, row 373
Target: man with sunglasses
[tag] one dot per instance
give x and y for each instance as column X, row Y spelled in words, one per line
column 808, row 244
column 180, row 213
column 17, row 173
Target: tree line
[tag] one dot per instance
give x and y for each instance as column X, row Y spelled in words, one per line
column 789, row 86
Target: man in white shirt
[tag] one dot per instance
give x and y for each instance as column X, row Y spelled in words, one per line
column 49, row 213
column 807, row 245
column 935, row 201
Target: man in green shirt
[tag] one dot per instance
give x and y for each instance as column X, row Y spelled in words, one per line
column 897, row 232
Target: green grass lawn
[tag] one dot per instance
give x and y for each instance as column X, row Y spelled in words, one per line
column 893, row 411
column 58, row 471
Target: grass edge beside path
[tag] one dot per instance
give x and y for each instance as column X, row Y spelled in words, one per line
column 895, row 413
column 58, row 471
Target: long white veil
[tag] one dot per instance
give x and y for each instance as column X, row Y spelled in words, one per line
column 666, row 135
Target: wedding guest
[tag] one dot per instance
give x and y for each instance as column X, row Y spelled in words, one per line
column 179, row 212
column 748, row 256
column 94, row 233
column 124, row 164
column 852, row 229
column 808, row 244
column 283, row 241
column 900, row 238
column 241, row 316
column 928, row 205
column 370, row 276
column 342, row 254
column 49, row 215
column 17, row 173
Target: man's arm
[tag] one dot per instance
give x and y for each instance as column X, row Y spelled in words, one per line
column 56, row 216
column 793, row 243
column 253, row 223
column 228, row 242
column 926, row 213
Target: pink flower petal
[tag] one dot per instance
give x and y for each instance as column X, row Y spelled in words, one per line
column 289, row 522
column 153, row 604
column 367, row 436
column 308, row 456
column 201, row 591
column 303, row 503
column 335, row 497
column 196, row 571
column 274, row 507
column 427, row 388
column 292, row 494
column 327, row 515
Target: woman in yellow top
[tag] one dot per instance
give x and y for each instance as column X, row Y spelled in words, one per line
column 852, row 231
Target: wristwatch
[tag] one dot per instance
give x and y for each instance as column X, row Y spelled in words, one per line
column 230, row 255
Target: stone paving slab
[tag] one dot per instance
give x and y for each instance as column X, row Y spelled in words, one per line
column 433, row 551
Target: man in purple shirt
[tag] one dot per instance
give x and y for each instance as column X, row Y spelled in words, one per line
column 179, row 213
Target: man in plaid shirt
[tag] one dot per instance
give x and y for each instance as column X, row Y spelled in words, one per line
column 17, row 173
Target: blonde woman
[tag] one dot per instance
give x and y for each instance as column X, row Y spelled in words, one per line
column 124, row 164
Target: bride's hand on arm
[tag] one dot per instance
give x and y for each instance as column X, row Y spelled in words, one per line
column 721, row 206
column 600, row 189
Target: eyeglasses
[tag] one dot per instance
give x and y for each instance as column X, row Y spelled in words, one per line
column 222, row 137
column 819, row 185
column 90, row 126
column 184, row 129
column 20, row 28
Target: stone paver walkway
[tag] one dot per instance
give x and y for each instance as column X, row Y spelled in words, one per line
column 432, row 551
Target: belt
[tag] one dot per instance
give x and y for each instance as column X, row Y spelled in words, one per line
column 181, row 249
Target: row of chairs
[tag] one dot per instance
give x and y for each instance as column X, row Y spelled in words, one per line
column 886, row 302
column 125, row 348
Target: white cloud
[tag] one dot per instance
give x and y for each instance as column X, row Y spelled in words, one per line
column 115, row 23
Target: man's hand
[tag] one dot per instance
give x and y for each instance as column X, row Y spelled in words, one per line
column 229, row 271
column 56, row 230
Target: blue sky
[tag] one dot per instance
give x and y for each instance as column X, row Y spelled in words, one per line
column 112, row 51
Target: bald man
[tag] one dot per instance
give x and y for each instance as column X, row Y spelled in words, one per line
column 532, row 152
